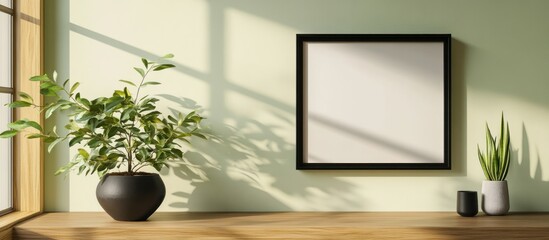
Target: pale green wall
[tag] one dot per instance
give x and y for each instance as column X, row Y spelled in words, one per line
column 236, row 59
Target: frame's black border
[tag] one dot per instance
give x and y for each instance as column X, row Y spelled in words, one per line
column 301, row 152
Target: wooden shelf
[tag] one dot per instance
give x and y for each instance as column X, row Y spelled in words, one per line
column 291, row 225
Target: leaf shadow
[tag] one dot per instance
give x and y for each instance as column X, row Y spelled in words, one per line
column 249, row 165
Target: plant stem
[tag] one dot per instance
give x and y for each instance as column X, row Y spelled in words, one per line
column 130, row 150
column 141, row 83
column 130, row 154
column 130, row 166
column 74, row 100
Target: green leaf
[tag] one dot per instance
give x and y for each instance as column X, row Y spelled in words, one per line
column 84, row 102
column 145, row 62
column 65, row 106
column 151, row 83
column 504, row 149
column 36, row 135
column 100, row 169
column 169, row 55
column 8, row 133
column 45, row 85
column 65, row 83
column 158, row 166
column 18, row 125
column 171, row 118
column 84, row 117
column 127, row 114
column 54, row 130
column 49, row 139
column 34, row 125
column 113, row 103
column 199, row 135
column 113, row 131
column 22, row 124
column 81, row 169
column 483, row 163
column 506, row 157
column 26, row 97
column 40, row 78
column 51, row 110
column 181, row 119
column 177, row 152
column 94, row 143
column 83, row 153
column 74, row 87
column 127, row 93
column 52, row 144
column 163, row 66
column 75, row 140
column 50, row 89
column 128, row 82
column 17, row 104
column 140, row 71
column 489, row 156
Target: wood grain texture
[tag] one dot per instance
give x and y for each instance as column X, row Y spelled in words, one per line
column 28, row 154
column 296, row 225
column 8, row 220
column 6, row 234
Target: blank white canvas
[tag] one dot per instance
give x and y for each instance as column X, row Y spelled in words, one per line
column 374, row 102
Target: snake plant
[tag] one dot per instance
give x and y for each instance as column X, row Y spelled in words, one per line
column 495, row 161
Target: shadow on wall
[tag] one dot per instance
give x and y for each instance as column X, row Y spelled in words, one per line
column 250, row 162
column 252, row 168
column 56, row 42
column 526, row 189
column 458, row 108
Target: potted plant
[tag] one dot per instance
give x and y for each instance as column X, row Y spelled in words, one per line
column 495, row 165
column 116, row 136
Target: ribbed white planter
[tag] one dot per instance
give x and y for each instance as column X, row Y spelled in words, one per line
column 495, row 197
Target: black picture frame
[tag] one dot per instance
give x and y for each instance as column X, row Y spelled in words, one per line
column 304, row 42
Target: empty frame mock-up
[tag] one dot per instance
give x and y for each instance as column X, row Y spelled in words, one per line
column 373, row 101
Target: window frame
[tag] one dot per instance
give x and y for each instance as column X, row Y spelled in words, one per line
column 28, row 154
column 11, row 90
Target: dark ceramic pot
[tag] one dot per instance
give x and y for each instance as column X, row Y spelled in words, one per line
column 130, row 198
column 467, row 203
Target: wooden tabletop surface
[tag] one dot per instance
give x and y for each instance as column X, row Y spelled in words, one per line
column 289, row 225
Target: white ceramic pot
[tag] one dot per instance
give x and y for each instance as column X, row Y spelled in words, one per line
column 495, row 197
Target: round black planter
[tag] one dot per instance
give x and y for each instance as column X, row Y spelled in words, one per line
column 130, row 198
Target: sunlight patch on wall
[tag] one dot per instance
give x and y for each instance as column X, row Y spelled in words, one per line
column 181, row 29
column 260, row 54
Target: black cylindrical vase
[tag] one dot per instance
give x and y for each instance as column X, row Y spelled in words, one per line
column 467, row 203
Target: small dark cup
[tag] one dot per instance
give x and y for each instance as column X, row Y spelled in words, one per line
column 467, row 203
